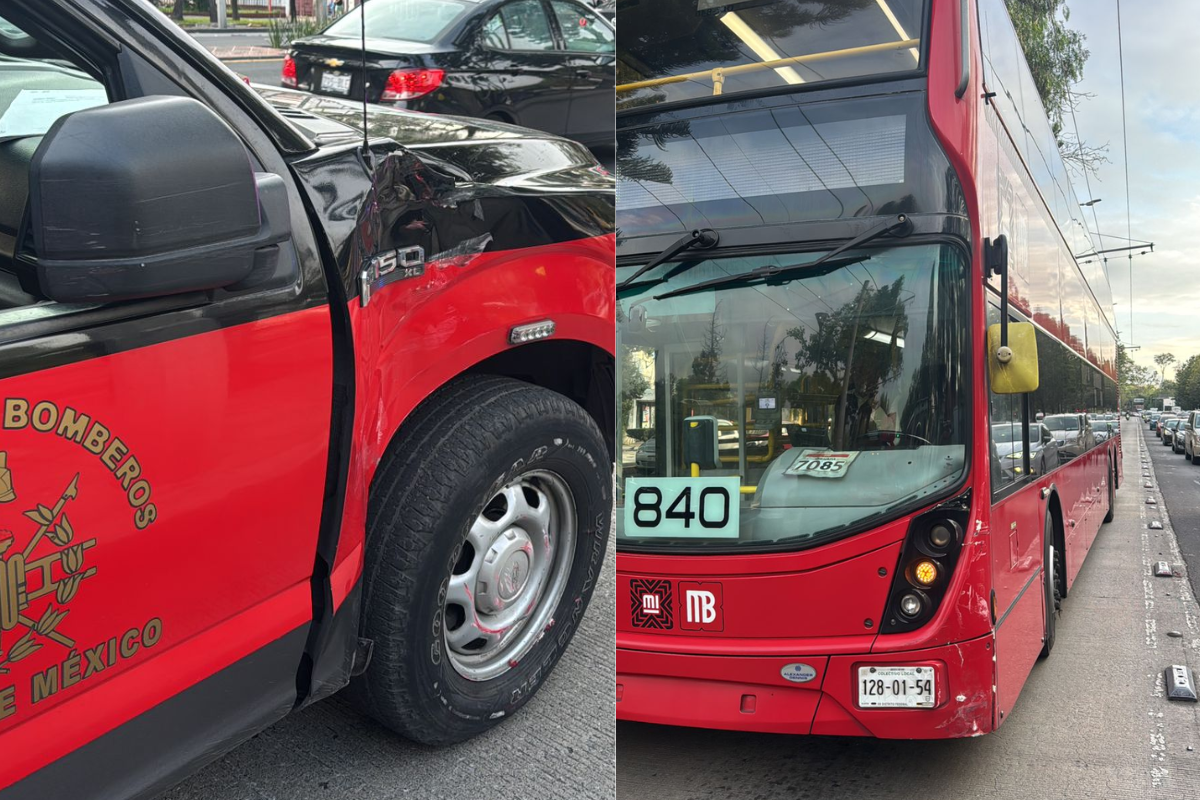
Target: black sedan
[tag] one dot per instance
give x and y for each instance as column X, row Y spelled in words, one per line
column 545, row 64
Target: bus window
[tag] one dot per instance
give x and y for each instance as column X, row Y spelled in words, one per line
column 862, row 362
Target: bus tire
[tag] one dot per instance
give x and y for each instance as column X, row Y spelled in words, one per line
column 1112, row 492
column 495, row 494
column 1052, row 576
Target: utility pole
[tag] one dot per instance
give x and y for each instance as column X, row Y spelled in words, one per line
column 222, row 20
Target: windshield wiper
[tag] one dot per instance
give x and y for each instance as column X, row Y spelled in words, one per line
column 704, row 238
column 898, row 223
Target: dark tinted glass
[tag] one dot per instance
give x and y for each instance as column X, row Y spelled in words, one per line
column 672, row 50
column 769, row 163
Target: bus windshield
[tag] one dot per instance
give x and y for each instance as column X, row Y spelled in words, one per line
column 864, row 360
column 672, row 50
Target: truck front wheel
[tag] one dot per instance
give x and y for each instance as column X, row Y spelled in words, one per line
column 487, row 524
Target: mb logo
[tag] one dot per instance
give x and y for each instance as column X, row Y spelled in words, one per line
column 702, row 604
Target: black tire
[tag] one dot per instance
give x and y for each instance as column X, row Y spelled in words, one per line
column 1112, row 492
column 1053, row 577
column 463, row 445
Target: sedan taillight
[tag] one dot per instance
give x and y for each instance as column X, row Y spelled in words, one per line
column 289, row 72
column 409, row 84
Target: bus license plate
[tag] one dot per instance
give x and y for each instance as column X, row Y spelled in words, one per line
column 821, row 464
column 335, row 82
column 683, row 508
column 896, row 687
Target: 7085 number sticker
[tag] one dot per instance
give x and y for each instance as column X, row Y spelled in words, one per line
column 683, row 508
column 821, row 464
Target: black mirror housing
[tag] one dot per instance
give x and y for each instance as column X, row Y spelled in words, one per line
column 148, row 197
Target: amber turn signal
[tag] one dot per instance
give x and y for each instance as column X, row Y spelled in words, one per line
column 925, row 573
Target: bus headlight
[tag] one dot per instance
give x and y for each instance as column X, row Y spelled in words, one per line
column 911, row 605
column 941, row 535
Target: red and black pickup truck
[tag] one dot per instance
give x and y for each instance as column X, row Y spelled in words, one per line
column 281, row 411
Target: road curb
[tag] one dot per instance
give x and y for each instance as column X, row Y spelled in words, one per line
column 1170, row 609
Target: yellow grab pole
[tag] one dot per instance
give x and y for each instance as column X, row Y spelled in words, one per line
column 724, row 72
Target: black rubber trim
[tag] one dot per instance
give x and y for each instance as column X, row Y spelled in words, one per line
column 158, row 748
column 1020, row 594
column 104, row 331
column 332, row 637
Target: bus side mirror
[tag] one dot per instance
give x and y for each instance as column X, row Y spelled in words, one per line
column 700, row 442
column 1013, row 368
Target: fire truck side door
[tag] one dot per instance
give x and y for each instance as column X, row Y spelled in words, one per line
column 162, row 471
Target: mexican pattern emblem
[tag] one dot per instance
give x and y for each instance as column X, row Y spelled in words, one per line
column 650, row 603
column 41, row 572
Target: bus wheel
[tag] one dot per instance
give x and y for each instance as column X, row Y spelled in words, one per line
column 1112, row 492
column 487, row 523
column 1050, row 581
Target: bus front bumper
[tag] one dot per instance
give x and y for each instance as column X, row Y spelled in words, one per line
column 751, row 693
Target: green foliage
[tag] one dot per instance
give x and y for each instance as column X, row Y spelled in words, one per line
column 282, row 32
column 1164, row 360
column 1187, row 384
column 1055, row 53
column 1133, row 379
column 633, row 384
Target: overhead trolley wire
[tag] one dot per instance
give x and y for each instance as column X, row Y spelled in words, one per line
column 1125, row 157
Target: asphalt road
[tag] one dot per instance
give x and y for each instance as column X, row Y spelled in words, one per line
column 1179, row 481
column 1091, row 722
column 561, row 744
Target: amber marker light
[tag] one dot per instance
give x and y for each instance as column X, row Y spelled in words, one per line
column 925, row 573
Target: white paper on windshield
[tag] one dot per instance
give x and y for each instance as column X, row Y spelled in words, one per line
column 35, row 110
column 814, row 463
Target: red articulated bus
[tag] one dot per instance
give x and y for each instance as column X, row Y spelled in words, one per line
column 860, row 343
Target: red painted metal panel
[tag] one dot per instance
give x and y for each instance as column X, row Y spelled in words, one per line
column 417, row 334
column 137, row 565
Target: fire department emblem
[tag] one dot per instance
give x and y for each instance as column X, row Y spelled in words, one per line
column 650, row 603
column 40, row 574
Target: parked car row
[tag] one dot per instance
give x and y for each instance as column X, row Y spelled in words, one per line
column 1180, row 432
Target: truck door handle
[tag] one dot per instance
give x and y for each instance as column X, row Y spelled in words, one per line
column 582, row 73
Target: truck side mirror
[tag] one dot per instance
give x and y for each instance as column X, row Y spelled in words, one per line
column 700, row 445
column 149, row 197
column 1013, row 367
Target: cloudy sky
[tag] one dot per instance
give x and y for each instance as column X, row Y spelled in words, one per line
column 1162, row 102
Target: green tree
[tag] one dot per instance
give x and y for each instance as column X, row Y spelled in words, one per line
column 1055, row 53
column 633, row 383
column 1133, row 379
column 1187, row 383
column 1164, row 360
column 839, row 360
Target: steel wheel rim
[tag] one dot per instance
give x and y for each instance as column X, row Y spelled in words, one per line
column 512, row 572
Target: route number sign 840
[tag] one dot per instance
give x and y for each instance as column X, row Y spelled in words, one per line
column 683, row 508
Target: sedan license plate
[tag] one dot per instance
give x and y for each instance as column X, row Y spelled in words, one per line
column 336, row 82
column 896, row 687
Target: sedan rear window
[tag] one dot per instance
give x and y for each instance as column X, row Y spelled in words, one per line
column 406, row 20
